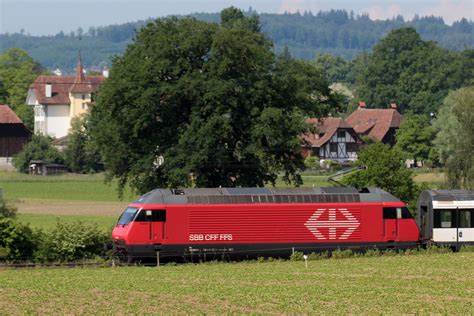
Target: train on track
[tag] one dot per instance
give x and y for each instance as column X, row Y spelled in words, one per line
column 201, row 224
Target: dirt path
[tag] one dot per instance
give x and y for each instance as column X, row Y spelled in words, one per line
column 59, row 207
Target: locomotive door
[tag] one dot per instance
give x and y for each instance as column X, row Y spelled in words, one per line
column 390, row 223
column 157, row 225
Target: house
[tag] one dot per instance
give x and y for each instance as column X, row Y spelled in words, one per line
column 334, row 140
column 57, row 99
column 13, row 133
column 380, row 125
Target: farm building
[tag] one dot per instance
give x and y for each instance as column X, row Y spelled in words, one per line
column 13, row 133
column 39, row 167
column 334, row 140
column 380, row 125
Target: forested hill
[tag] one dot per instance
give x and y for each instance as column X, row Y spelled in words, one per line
column 337, row 32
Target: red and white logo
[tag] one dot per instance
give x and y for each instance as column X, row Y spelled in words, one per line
column 332, row 224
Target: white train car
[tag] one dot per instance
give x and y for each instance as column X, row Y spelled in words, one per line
column 446, row 218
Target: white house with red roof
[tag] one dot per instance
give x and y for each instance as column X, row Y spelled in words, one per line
column 334, row 140
column 57, row 99
column 379, row 124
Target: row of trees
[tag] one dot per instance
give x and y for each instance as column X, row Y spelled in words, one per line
column 335, row 32
column 403, row 69
column 194, row 103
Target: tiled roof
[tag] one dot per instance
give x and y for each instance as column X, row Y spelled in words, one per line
column 374, row 122
column 328, row 126
column 7, row 116
column 61, row 86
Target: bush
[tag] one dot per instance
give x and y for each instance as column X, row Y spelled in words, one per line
column 17, row 241
column 7, row 210
column 311, row 162
column 71, row 242
column 39, row 148
column 436, row 249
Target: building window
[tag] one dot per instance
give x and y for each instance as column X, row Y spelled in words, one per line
column 83, row 97
column 84, row 106
column 341, row 134
column 333, row 147
column 351, row 147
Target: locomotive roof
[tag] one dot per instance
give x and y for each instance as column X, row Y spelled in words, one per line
column 264, row 195
column 448, row 195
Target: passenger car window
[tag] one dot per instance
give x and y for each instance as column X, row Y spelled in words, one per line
column 444, row 218
column 466, row 218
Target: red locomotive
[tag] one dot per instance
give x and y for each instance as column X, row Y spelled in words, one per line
column 251, row 222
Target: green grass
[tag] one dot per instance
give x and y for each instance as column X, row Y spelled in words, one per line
column 65, row 187
column 46, row 221
column 427, row 284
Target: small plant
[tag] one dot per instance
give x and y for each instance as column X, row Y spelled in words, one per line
column 342, row 254
column 373, row 253
column 261, row 259
column 297, row 256
column 436, row 249
column 389, row 253
column 318, row 256
column 467, row 248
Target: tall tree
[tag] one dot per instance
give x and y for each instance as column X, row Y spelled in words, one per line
column 413, row 73
column 415, row 137
column 17, row 71
column 455, row 139
column 81, row 154
column 385, row 169
column 195, row 103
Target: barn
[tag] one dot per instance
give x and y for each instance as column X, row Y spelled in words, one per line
column 13, row 133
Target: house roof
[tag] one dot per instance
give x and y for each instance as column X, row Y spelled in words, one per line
column 326, row 126
column 7, row 116
column 63, row 85
column 374, row 122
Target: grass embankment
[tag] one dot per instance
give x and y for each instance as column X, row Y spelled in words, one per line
column 436, row 283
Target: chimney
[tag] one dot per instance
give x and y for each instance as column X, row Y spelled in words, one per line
column 105, row 72
column 48, row 90
column 393, row 106
column 362, row 105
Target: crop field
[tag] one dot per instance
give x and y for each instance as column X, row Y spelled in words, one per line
column 429, row 283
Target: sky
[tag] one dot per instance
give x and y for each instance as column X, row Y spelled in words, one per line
column 45, row 17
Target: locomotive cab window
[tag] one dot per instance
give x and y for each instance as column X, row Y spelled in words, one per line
column 127, row 216
column 151, row 216
column 396, row 213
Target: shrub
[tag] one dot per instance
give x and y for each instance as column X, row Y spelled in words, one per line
column 17, row 241
column 71, row 242
column 311, row 162
column 39, row 148
column 7, row 210
column 435, row 249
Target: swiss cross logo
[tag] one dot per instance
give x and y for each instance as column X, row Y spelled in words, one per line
column 332, row 224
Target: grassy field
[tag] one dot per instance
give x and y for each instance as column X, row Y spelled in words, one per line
column 426, row 284
column 47, row 221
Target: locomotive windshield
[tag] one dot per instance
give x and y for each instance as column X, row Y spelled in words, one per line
column 127, row 216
